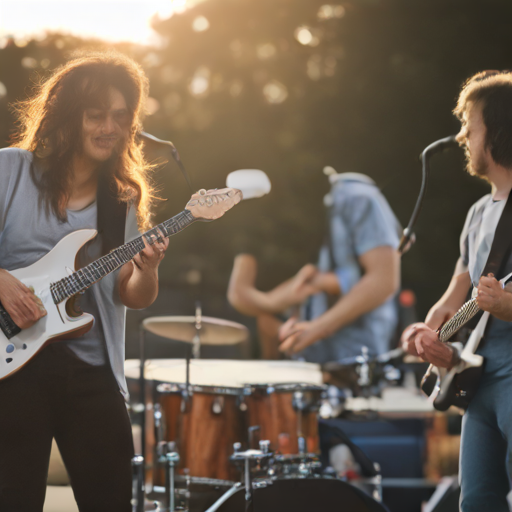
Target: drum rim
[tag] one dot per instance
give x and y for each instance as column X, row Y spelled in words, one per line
column 284, row 387
column 170, row 388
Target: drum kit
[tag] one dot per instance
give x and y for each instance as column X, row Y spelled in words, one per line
column 231, row 435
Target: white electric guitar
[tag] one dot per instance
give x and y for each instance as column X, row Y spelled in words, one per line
column 54, row 280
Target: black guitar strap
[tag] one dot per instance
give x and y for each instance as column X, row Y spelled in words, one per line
column 111, row 214
column 500, row 252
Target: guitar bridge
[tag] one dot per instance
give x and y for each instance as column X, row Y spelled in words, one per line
column 9, row 328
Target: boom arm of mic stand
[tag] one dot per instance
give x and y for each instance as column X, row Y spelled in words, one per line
column 435, row 147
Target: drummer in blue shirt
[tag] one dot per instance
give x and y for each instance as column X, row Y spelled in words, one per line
column 358, row 266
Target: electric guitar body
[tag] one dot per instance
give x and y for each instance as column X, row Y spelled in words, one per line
column 62, row 320
column 56, row 282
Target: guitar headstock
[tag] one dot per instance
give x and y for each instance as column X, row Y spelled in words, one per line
column 213, row 204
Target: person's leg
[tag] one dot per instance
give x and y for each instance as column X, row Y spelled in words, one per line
column 25, row 438
column 94, row 436
column 483, row 471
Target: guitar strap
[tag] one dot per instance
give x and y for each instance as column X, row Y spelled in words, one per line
column 499, row 254
column 111, row 213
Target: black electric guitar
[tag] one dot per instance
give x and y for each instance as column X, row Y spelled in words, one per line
column 458, row 385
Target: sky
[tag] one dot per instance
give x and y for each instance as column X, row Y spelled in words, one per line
column 111, row 20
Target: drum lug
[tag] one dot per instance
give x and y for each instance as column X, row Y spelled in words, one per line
column 241, row 404
column 218, row 405
column 298, row 401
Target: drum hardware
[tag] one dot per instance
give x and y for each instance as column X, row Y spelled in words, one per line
column 363, row 375
column 251, row 435
column 196, row 340
column 251, row 456
column 242, row 404
column 295, row 466
column 172, row 459
column 364, row 369
column 159, row 424
column 142, row 391
column 218, row 405
column 137, row 484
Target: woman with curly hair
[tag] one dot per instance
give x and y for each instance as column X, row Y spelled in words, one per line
column 75, row 164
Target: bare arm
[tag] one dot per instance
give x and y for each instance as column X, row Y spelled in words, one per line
column 138, row 279
column 247, row 299
column 421, row 339
column 452, row 298
column 380, row 281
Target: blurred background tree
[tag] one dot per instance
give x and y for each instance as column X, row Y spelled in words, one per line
column 289, row 87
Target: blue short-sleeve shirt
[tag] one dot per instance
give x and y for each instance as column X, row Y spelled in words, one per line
column 360, row 220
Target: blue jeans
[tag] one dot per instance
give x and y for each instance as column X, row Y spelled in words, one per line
column 484, row 455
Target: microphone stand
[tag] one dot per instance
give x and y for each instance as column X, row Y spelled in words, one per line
column 435, row 147
column 174, row 153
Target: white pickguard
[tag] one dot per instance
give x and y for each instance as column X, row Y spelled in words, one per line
column 52, row 267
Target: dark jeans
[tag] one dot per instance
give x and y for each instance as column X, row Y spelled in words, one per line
column 485, row 448
column 58, row 395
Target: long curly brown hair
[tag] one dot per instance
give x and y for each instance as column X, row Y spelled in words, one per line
column 50, row 126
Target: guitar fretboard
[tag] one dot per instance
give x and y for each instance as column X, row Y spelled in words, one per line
column 467, row 311
column 82, row 279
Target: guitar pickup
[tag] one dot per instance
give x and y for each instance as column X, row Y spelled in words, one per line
column 9, row 328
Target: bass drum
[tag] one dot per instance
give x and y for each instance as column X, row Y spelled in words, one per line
column 304, row 495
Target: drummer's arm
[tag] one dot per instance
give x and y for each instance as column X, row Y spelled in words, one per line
column 247, row 299
column 380, row 281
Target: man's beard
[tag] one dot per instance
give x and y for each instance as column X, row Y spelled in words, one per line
column 475, row 166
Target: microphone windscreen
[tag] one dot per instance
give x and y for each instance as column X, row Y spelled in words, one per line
column 252, row 182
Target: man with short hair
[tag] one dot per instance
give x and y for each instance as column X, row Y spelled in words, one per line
column 77, row 140
column 485, row 110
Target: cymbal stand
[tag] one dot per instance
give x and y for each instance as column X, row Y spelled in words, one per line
column 142, row 388
column 196, row 341
column 138, row 484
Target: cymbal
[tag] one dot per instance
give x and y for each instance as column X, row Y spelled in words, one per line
column 214, row 331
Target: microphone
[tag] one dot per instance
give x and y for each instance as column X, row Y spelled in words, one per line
column 441, row 145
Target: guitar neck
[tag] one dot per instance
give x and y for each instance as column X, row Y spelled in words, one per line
column 463, row 315
column 82, row 279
